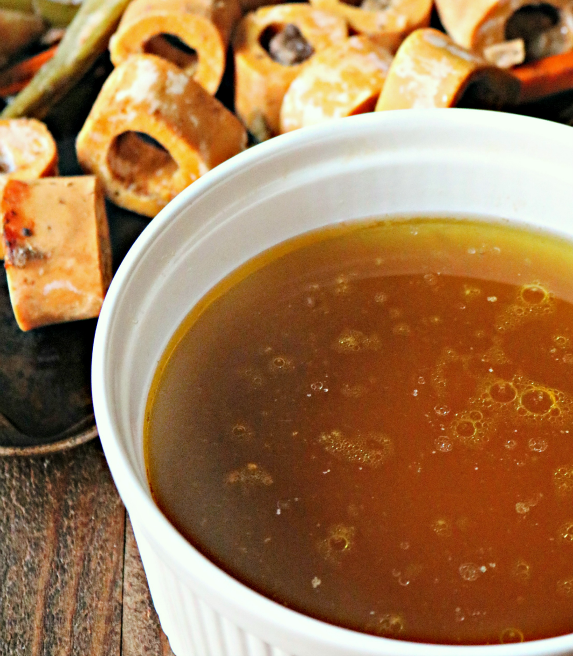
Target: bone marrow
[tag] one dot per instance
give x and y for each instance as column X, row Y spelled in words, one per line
column 271, row 47
column 509, row 33
column 286, row 44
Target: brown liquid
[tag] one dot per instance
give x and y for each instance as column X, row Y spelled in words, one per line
column 373, row 425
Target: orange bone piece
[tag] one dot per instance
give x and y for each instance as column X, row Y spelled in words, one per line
column 58, row 256
column 203, row 26
column 481, row 24
column 386, row 22
column 430, row 70
column 342, row 80
column 191, row 132
column 260, row 81
column 27, row 151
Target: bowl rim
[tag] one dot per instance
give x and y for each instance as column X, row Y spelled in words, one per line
column 149, row 519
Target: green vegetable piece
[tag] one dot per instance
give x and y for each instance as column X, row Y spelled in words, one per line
column 18, row 5
column 85, row 39
column 58, row 13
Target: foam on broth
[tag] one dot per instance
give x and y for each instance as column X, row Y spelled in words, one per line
column 373, row 424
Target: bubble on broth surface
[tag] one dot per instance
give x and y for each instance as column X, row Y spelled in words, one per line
column 447, row 358
column 511, row 635
column 538, row 444
column 249, row 476
column 280, row 364
column 521, row 571
column 565, row 532
column 471, row 292
column 342, row 285
column 561, row 341
column 253, row 377
column 537, row 401
column 353, row 341
column 533, row 302
column 495, row 353
column 503, row 391
column 371, row 449
column 471, row 428
column 337, row 543
column 469, row 572
column 563, row 480
column 431, row 279
column 521, row 399
column 444, row 444
column 441, row 410
column 442, row 527
column 565, row 587
column 401, row 329
column 242, row 432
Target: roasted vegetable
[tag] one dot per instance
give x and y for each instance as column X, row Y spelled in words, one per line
column 15, row 78
column 17, row 29
column 86, row 38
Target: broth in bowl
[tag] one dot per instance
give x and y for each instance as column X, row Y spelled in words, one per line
column 372, row 424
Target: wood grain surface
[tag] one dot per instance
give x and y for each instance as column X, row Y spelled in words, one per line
column 71, row 580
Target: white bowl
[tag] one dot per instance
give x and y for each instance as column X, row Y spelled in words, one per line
column 430, row 162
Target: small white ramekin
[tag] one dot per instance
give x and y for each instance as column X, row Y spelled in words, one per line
column 421, row 163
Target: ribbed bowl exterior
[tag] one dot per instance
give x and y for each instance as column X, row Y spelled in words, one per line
column 407, row 163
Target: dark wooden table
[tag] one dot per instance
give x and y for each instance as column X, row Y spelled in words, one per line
column 71, row 580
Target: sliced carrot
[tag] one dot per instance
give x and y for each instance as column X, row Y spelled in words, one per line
column 16, row 77
column 13, row 88
column 545, row 77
